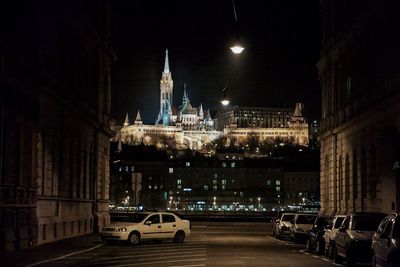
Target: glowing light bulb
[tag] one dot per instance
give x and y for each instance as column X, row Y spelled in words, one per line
column 237, row 49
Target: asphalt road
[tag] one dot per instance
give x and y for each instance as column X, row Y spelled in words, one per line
column 217, row 244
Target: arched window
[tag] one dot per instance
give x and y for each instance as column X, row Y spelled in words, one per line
column 347, row 178
column 355, row 175
column 326, row 178
column 363, row 175
column 372, row 177
column 340, row 178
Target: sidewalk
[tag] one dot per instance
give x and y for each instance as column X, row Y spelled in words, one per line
column 51, row 251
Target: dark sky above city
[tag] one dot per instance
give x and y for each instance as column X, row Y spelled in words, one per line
column 277, row 68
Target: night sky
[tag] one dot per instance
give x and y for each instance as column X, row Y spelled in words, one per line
column 277, row 68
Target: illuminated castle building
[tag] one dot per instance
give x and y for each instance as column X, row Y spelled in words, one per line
column 186, row 126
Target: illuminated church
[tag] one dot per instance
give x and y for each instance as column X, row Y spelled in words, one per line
column 187, row 126
column 185, row 115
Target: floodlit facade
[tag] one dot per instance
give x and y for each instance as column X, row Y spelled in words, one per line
column 189, row 127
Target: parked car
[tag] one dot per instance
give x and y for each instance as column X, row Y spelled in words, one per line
column 301, row 226
column 282, row 225
column 145, row 226
column 316, row 241
column 386, row 242
column 353, row 240
column 331, row 232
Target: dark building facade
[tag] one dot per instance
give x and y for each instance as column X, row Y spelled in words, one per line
column 359, row 74
column 228, row 182
column 55, row 104
column 253, row 117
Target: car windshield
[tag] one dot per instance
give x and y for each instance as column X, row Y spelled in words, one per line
column 287, row 217
column 366, row 222
column 135, row 218
column 305, row 219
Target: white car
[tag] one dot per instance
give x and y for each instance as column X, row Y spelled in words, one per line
column 331, row 232
column 282, row 226
column 145, row 226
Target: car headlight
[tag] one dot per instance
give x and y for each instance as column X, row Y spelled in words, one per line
column 120, row 230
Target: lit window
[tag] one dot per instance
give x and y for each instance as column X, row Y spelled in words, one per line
column 278, row 189
column 150, row 187
column 132, row 169
column 278, row 182
column 171, row 170
column 214, row 181
column 179, row 186
column 205, row 187
column 268, row 182
column 126, row 169
column 233, row 164
column 155, row 187
column 187, row 164
column 215, row 187
column 223, row 187
column 223, row 164
column 179, row 181
column 223, row 182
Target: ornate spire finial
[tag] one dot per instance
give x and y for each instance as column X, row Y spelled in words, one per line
column 166, row 64
column 126, row 122
column 138, row 117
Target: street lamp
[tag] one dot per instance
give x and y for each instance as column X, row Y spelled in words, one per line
column 236, row 48
column 225, row 100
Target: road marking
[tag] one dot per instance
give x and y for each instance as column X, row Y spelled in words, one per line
column 64, row 256
column 156, row 249
column 146, row 259
column 162, row 262
column 191, row 265
column 153, row 254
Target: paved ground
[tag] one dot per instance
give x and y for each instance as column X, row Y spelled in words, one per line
column 217, row 244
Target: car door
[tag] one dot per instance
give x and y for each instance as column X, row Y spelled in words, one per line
column 340, row 239
column 169, row 225
column 153, row 229
column 377, row 242
column 385, row 241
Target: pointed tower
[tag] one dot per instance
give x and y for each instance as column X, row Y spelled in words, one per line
column 138, row 120
column 185, row 98
column 201, row 113
column 298, row 113
column 166, row 86
column 126, row 122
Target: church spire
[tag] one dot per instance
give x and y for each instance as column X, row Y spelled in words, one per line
column 201, row 113
column 126, row 122
column 138, row 120
column 166, row 64
column 185, row 98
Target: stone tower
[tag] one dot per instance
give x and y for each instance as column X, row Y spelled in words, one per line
column 166, row 86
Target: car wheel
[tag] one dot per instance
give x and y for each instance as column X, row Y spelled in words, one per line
column 295, row 238
column 133, row 238
column 320, row 247
column 179, row 237
column 308, row 246
column 373, row 263
column 336, row 257
column 349, row 260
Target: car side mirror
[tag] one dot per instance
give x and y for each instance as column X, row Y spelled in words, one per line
column 147, row 223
